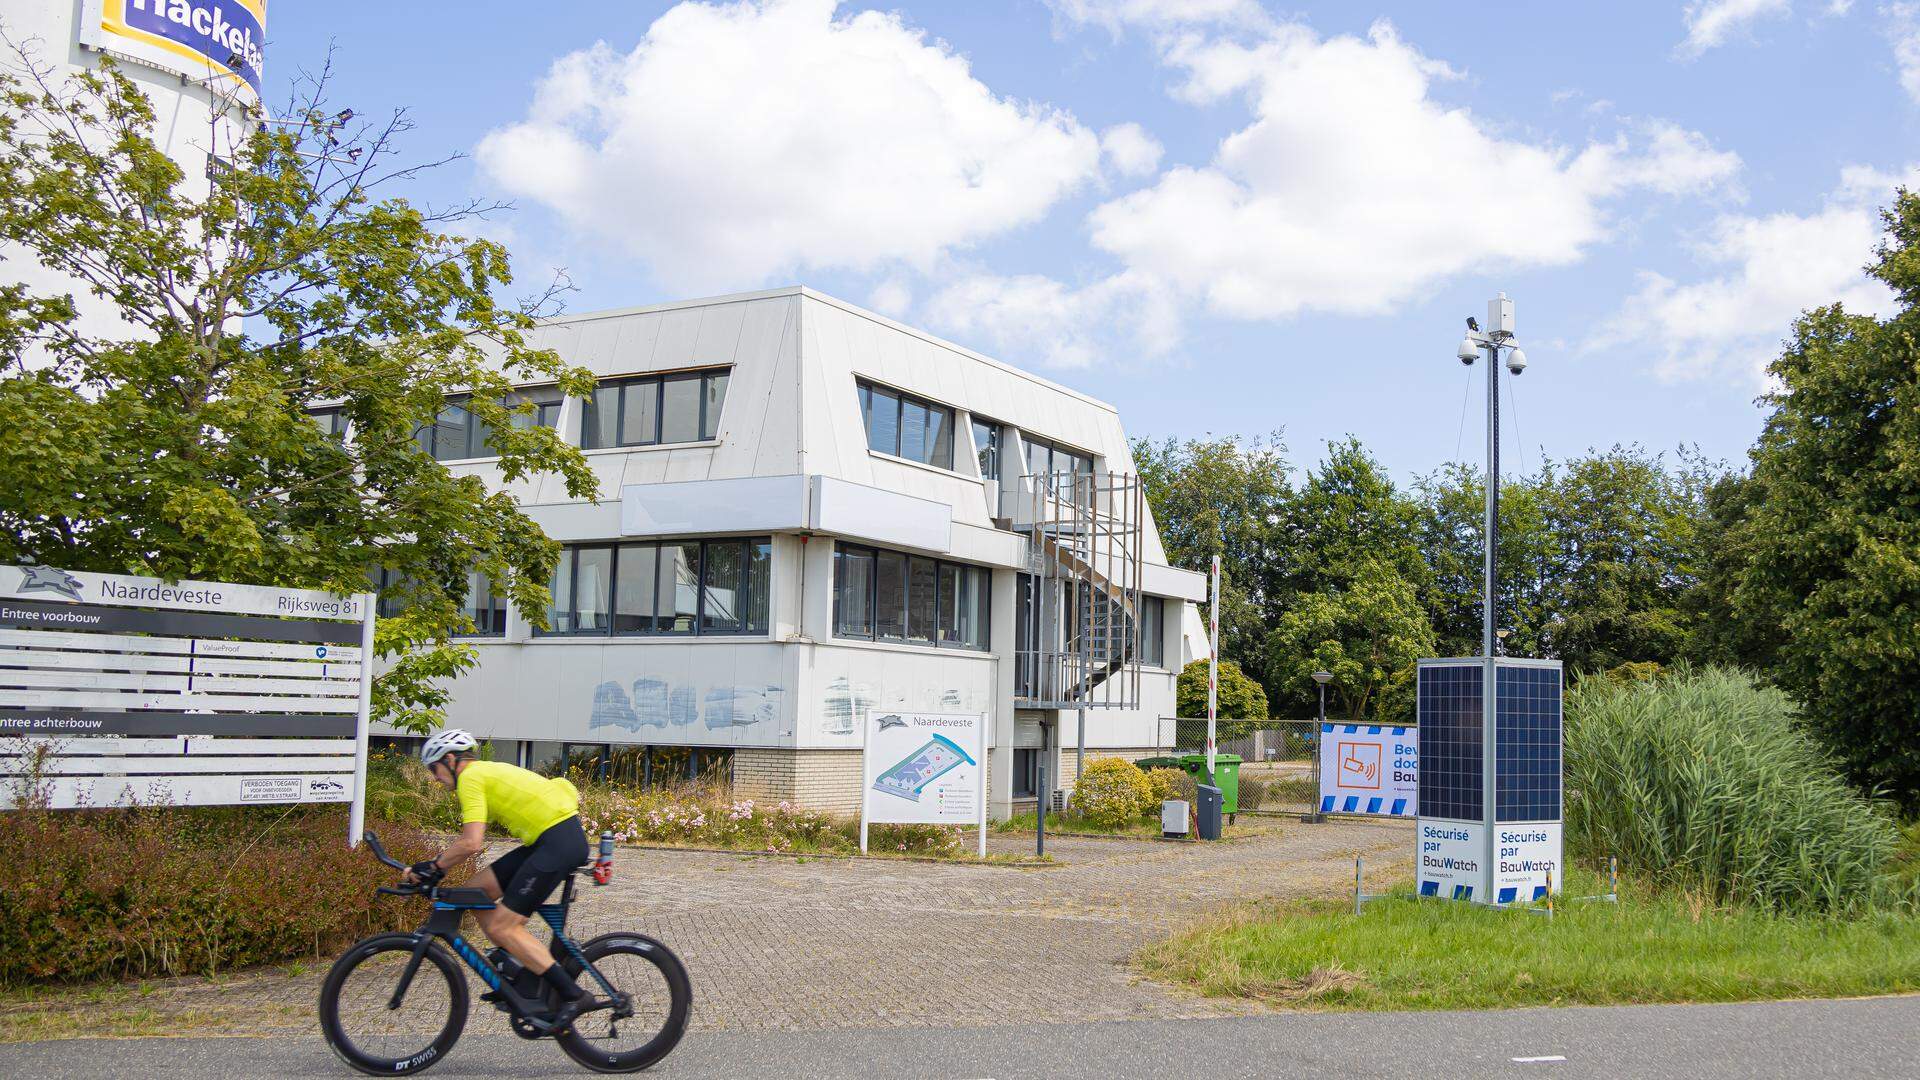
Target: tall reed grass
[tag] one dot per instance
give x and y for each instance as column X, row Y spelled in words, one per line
column 1704, row 781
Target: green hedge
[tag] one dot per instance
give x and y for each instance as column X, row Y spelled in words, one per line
column 1704, row 781
column 166, row 891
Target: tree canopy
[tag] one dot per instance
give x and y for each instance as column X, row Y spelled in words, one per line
column 288, row 278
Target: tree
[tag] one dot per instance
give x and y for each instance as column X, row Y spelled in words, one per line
column 1239, row 698
column 184, row 446
column 1223, row 497
column 1452, row 539
column 1835, row 539
column 1367, row 632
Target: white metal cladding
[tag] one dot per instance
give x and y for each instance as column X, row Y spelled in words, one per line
column 128, row 690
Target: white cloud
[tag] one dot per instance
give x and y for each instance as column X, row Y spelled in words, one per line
column 738, row 142
column 1770, row 269
column 1116, row 15
column 892, row 297
column 1353, row 189
column 1130, row 150
column 1903, row 31
column 1711, row 23
column 1122, row 317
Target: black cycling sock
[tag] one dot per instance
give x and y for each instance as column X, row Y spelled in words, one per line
column 561, row 982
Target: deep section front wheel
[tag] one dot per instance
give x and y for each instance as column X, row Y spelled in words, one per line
column 659, row 998
column 364, row 1026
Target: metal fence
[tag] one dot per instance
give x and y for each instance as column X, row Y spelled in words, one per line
column 1278, row 768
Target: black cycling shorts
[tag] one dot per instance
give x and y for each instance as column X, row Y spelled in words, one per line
column 527, row 874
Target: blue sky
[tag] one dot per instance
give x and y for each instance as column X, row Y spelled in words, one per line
column 1222, row 217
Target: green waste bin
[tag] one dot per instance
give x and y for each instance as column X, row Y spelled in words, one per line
column 1227, row 776
column 1158, row 763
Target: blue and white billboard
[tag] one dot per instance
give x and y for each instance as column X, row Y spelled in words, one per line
column 217, row 41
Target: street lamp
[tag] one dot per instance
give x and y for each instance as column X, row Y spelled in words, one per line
column 1314, row 816
column 1496, row 338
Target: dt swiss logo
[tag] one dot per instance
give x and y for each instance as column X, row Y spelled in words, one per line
column 49, row 579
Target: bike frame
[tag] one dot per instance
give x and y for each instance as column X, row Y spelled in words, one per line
column 444, row 925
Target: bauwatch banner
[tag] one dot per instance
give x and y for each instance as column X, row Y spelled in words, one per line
column 1369, row 769
column 217, row 41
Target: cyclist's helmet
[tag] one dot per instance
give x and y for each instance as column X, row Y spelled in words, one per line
column 442, row 743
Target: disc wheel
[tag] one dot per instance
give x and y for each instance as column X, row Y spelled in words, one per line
column 366, row 1032
column 659, row 998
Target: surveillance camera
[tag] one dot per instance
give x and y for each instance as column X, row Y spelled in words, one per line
column 1469, row 351
column 1516, row 360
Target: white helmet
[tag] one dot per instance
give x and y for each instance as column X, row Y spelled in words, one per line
column 445, row 742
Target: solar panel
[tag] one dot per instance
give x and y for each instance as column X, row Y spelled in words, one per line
column 1448, row 706
column 1527, row 743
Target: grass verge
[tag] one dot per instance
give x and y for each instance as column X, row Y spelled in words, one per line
column 1407, row 953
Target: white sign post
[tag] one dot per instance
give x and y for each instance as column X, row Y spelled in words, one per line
column 924, row 769
column 191, row 693
column 1369, row 769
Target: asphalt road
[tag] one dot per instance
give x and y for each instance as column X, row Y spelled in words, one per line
column 1801, row 1039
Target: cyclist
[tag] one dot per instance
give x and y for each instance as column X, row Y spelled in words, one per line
column 544, row 815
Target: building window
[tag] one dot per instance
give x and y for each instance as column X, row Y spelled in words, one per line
column 332, row 421
column 679, row 408
column 891, row 596
column 485, row 607
column 389, row 584
column 986, row 443
column 1153, row 631
column 1057, row 464
column 1026, row 774
column 457, row 433
column 670, row 587
column 907, row 426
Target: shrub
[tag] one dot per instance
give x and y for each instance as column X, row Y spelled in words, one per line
column 1240, row 698
column 1705, row 781
column 399, row 790
column 1170, row 783
column 163, row 891
column 1112, row 792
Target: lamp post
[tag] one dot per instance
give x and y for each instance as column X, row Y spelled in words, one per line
column 1319, row 739
column 1496, row 338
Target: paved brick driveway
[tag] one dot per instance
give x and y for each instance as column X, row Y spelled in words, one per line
column 786, row 944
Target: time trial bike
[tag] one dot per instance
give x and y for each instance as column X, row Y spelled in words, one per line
column 396, row 1003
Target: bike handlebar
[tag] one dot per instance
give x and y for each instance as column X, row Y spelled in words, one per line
column 380, row 851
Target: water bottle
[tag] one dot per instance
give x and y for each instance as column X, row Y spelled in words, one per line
column 603, row 866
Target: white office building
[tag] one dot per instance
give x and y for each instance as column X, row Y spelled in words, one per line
column 809, row 512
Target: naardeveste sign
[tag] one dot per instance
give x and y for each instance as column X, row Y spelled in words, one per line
column 136, row 690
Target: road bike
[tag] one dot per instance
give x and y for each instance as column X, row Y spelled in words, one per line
column 396, row 1003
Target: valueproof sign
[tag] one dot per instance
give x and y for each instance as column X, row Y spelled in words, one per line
column 1369, row 769
column 924, row 769
column 135, row 690
column 194, row 39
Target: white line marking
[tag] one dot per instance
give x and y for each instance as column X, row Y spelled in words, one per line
column 1543, row 1057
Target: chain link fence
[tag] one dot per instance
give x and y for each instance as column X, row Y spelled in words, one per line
column 1279, row 772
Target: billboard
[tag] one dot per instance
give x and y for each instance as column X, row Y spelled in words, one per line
column 924, row 769
column 221, row 42
column 1369, row 769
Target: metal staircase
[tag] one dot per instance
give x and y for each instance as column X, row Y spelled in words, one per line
column 1079, row 642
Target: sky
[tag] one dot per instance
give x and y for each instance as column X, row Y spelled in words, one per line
column 1223, row 217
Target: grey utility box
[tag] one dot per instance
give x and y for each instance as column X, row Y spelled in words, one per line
column 1176, row 818
column 1207, row 809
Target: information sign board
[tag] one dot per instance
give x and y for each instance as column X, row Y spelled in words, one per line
column 924, row 769
column 1369, row 769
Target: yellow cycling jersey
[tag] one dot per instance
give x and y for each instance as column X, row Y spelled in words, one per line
column 525, row 803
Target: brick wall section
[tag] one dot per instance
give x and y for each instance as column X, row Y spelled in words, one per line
column 816, row 779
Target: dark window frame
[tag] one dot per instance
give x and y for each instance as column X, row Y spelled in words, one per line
column 901, row 400
column 989, row 454
column 1026, row 772
column 1153, row 631
column 909, row 632
column 706, row 422
column 757, row 621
